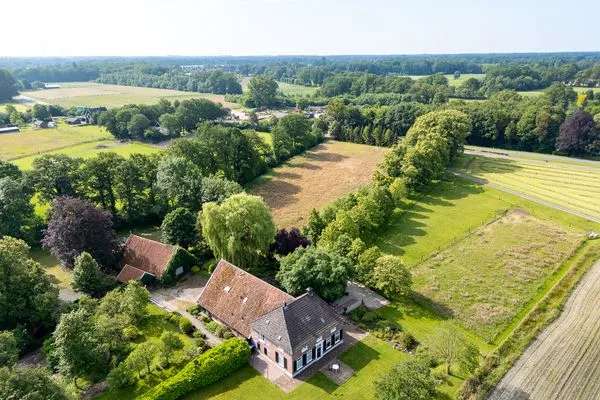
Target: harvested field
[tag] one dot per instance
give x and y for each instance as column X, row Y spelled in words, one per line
column 562, row 363
column 97, row 94
column 485, row 279
column 570, row 184
column 315, row 179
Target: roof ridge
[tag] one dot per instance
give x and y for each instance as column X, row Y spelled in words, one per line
column 222, row 260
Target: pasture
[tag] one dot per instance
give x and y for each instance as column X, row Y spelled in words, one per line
column 88, row 150
column 290, row 89
column 31, row 142
column 567, row 183
column 516, row 249
column 450, row 77
column 96, row 94
column 18, row 106
column 315, row 179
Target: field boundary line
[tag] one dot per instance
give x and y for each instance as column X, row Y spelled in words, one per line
column 526, row 196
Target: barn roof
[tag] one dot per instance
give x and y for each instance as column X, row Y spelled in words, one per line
column 146, row 255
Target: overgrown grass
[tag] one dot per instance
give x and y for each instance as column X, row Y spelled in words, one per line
column 517, row 249
column 545, row 311
column 290, row 89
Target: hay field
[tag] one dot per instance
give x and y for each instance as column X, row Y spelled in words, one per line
column 315, row 179
column 517, row 249
column 569, row 184
column 562, row 363
column 31, row 141
column 97, row 94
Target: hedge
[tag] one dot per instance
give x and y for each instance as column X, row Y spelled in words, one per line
column 206, row 369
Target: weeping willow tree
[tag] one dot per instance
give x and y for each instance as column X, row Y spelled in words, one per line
column 240, row 229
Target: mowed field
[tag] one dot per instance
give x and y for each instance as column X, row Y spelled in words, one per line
column 37, row 141
column 97, row 94
column 315, row 179
column 562, row 363
column 568, row 183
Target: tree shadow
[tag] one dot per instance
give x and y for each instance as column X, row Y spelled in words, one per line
column 325, row 156
column 278, row 193
column 305, row 165
column 323, row 382
column 285, row 175
column 359, row 356
column 491, row 164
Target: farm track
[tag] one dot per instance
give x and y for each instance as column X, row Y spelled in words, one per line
column 526, row 196
column 564, row 361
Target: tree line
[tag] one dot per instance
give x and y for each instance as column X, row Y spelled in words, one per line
column 203, row 81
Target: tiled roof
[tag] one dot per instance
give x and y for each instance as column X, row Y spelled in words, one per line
column 129, row 273
column 293, row 324
column 147, row 255
column 237, row 297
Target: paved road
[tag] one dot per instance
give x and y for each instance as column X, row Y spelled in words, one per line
column 563, row 363
column 526, row 196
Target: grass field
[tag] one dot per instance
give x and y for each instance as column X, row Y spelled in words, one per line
column 578, row 89
column 451, row 80
column 31, row 141
column 88, row 150
column 562, row 181
column 96, row 94
column 290, row 89
column 517, row 249
column 19, row 106
column 316, row 178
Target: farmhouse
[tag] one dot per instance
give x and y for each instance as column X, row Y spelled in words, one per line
column 148, row 261
column 9, row 129
column 293, row 333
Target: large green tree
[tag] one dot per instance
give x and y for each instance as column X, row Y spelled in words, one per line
column 8, row 86
column 262, row 90
column 391, row 276
column 27, row 296
column 408, row 380
column 326, row 273
column 9, row 349
column 87, row 276
column 30, row 384
column 181, row 181
column 17, row 218
column 240, row 229
column 179, row 227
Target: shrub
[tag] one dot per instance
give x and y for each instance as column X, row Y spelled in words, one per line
column 185, row 326
column 370, row 317
column 227, row 334
column 195, row 310
column 213, row 326
column 196, row 270
column 131, row 332
column 202, row 371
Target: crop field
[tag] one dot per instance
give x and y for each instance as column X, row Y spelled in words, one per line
column 516, row 249
column 88, row 150
column 30, row 142
column 97, row 94
column 290, row 89
column 563, row 361
column 315, row 179
column 19, row 106
column 570, row 184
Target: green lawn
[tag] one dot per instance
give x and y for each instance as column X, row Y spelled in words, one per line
column 450, row 77
column 19, row 106
column 88, row 150
column 30, row 142
column 290, row 89
column 563, row 181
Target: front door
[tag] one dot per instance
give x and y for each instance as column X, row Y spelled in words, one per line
column 318, row 351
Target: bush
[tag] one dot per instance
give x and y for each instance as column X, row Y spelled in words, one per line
column 227, row 334
column 204, row 370
column 185, row 326
column 131, row 332
column 120, row 377
column 213, row 326
column 195, row 310
column 370, row 317
column 196, row 270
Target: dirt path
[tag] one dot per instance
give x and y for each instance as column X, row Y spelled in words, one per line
column 526, row 196
column 564, row 361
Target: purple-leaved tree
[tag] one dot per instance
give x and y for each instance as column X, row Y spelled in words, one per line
column 288, row 241
column 576, row 133
column 77, row 225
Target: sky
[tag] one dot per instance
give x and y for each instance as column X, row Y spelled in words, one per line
column 288, row 27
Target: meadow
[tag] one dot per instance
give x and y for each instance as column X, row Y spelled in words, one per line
column 290, row 89
column 95, row 95
column 316, row 178
column 20, row 107
column 30, row 142
column 451, row 80
column 567, row 183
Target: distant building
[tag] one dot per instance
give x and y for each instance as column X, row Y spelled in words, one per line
column 9, row 129
column 51, row 86
column 38, row 123
column 79, row 120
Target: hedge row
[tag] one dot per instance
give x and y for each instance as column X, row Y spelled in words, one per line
column 204, row 370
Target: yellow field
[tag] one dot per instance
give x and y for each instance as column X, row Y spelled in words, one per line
column 96, row 94
column 567, row 183
column 19, row 106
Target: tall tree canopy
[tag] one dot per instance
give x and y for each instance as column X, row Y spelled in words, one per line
column 240, row 229
column 8, row 86
column 262, row 91
column 76, row 226
column 408, row 380
column 27, row 296
column 326, row 273
column 578, row 134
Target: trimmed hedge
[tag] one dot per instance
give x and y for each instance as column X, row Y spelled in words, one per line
column 202, row 371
